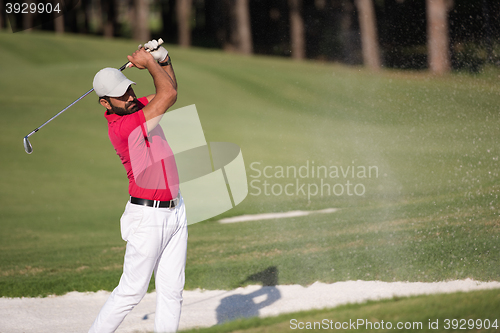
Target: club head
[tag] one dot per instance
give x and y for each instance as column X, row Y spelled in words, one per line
column 27, row 145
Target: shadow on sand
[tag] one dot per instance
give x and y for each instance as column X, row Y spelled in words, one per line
column 245, row 306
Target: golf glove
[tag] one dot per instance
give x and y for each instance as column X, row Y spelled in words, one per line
column 158, row 52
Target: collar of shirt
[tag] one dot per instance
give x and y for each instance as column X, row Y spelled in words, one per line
column 111, row 117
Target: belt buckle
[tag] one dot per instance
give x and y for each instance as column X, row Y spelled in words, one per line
column 174, row 201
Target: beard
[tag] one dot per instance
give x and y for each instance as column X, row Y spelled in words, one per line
column 130, row 107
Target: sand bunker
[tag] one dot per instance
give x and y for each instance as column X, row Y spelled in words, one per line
column 75, row 312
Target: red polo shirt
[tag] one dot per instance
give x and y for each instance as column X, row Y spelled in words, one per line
column 147, row 158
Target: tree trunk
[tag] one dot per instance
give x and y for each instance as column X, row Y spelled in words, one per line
column 59, row 24
column 183, row 11
column 2, row 16
column 348, row 35
column 58, row 21
column 243, row 34
column 109, row 20
column 86, row 16
column 369, row 38
column 141, row 23
column 437, row 35
column 96, row 15
column 297, row 29
column 487, row 31
column 169, row 20
column 27, row 19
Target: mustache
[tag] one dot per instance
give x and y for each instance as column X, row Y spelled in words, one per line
column 131, row 103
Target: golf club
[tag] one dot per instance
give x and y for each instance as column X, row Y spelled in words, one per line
column 27, row 144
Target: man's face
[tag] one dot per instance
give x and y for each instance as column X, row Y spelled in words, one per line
column 123, row 105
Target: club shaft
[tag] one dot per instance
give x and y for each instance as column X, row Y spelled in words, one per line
column 48, row 121
column 76, row 101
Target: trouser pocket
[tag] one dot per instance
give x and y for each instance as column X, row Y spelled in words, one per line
column 131, row 220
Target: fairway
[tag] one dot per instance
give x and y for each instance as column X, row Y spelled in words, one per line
column 410, row 161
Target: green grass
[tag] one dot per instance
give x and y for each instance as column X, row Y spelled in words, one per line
column 420, row 314
column 432, row 213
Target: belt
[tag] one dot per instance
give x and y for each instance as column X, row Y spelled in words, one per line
column 155, row 203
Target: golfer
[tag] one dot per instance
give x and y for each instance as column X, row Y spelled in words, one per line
column 154, row 222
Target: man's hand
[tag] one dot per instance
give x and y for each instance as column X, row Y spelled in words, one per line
column 158, row 52
column 141, row 59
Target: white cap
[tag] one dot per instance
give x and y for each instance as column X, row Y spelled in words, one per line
column 111, row 82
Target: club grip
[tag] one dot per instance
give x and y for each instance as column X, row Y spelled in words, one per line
column 129, row 64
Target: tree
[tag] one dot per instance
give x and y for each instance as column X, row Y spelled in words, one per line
column 348, row 34
column 297, row 29
column 438, row 35
column 2, row 16
column 28, row 18
column 369, row 37
column 85, row 14
column 242, row 34
column 141, row 30
column 183, row 11
column 170, row 27
column 59, row 24
column 109, row 18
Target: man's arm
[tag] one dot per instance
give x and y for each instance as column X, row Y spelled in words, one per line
column 169, row 69
column 165, row 84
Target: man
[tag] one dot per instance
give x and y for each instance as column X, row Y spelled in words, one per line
column 154, row 222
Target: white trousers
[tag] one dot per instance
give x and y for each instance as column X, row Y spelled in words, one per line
column 156, row 242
